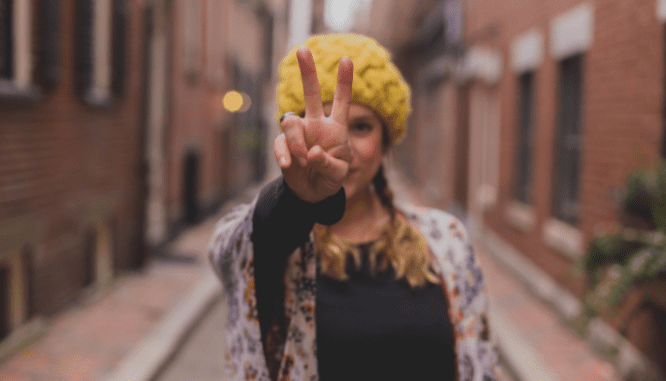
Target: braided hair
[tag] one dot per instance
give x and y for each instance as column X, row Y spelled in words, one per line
column 399, row 244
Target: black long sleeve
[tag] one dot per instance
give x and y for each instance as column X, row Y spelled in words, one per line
column 282, row 222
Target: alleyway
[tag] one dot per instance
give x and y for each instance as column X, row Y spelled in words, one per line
column 98, row 339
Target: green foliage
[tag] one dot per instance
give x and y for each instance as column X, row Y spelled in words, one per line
column 618, row 261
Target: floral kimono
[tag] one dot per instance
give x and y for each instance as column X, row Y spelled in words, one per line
column 231, row 254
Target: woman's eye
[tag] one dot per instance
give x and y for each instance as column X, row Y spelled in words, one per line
column 361, row 127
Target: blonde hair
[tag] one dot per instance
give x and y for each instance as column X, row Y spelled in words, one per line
column 399, row 244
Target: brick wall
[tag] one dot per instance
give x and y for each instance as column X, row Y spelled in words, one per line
column 66, row 166
column 622, row 117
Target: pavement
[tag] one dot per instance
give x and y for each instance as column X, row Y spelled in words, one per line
column 133, row 330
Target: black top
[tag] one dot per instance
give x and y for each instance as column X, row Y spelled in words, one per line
column 368, row 327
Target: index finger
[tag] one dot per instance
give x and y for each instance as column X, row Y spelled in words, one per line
column 343, row 91
column 311, row 90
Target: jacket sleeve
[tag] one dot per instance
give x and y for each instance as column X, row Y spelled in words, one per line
column 230, row 247
column 272, row 227
column 281, row 223
column 276, row 221
column 474, row 306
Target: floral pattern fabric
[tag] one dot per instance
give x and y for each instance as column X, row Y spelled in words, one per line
column 231, row 254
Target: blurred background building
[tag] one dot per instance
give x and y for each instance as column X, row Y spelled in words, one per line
column 122, row 122
column 114, row 134
column 528, row 117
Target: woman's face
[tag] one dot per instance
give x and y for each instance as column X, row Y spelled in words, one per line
column 365, row 138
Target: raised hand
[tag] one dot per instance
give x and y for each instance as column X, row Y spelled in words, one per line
column 313, row 151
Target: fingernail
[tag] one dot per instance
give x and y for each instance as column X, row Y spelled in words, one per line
column 283, row 160
column 303, row 162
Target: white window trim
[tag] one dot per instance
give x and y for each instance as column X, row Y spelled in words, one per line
column 100, row 89
column 661, row 10
column 563, row 238
column 21, row 53
column 22, row 44
column 520, row 216
column 483, row 63
column 572, row 32
column 527, row 51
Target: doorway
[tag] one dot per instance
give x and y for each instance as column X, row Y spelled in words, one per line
column 190, row 177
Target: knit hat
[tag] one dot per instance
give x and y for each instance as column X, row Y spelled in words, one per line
column 377, row 83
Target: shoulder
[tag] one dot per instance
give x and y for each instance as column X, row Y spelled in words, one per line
column 435, row 223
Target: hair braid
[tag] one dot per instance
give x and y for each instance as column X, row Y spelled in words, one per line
column 385, row 194
column 399, row 245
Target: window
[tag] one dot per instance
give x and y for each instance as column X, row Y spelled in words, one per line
column 6, row 40
column 29, row 47
column 192, row 30
column 48, row 65
column 100, row 40
column 568, row 141
column 16, row 33
column 526, row 103
column 215, row 41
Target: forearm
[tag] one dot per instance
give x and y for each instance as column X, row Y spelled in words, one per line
column 281, row 223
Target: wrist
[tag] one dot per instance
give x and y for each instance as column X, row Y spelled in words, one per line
column 307, row 197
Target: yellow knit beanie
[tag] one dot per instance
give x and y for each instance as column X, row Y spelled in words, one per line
column 377, row 83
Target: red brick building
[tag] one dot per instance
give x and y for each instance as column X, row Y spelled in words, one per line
column 113, row 135
column 529, row 116
column 578, row 101
column 70, row 151
column 200, row 153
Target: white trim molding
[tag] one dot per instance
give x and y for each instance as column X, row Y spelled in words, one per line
column 661, row 10
column 527, row 51
column 483, row 63
column 563, row 238
column 22, row 44
column 572, row 32
column 520, row 216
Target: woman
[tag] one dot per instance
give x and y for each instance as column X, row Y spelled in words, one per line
column 325, row 278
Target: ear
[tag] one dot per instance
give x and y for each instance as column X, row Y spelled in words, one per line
column 386, row 139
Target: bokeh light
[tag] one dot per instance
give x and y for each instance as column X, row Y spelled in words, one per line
column 232, row 101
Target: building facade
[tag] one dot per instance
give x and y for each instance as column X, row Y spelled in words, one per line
column 113, row 135
column 529, row 116
column 70, row 151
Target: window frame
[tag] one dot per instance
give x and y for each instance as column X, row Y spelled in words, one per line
column 100, row 67
column 525, row 137
column 568, row 141
column 19, row 85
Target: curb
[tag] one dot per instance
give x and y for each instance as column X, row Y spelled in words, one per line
column 604, row 339
column 146, row 361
